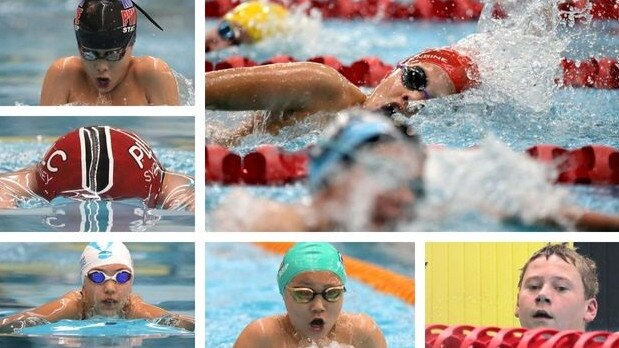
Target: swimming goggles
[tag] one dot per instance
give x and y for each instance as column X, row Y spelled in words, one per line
column 229, row 33
column 112, row 55
column 414, row 78
column 99, row 277
column 307, row 295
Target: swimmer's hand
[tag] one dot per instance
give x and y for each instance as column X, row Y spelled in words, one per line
column 22, row 324
column 173, row 320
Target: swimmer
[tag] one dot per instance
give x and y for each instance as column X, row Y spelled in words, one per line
column 106, row 72
column 300, row 89
column 557, row 289
column 369, row 175
column 99, row 162
column 247, row 23
column 107, row 278
column 312, row 282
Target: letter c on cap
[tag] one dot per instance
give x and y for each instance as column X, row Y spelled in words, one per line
column 49, row 166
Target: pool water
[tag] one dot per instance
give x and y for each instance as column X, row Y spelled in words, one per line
column 241, row 287
column 34, row 273
column 24, row 140
column 517, row 108
column 29, row 49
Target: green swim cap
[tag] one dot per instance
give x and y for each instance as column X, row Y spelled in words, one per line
column 308, row 257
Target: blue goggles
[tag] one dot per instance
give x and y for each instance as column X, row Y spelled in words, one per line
column 112, row 55
column 99, row 277
column 229, row 33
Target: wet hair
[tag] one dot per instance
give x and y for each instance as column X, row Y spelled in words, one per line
column 585, row 266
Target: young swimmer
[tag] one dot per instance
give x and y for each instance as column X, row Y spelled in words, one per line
column 99, row 162
column 107, row 277
column 106, row 72
column 557, row 289
column 247, row 23
column 312, row 282
column 368, row 175
column 297, row 90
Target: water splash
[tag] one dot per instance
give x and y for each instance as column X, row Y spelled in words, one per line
column 186, row 91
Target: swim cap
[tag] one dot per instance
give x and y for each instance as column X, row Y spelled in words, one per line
column 105, row 24
column 346, row 137
column 460, row 68
column 100, row 162
column 310, row 257
column 258, row 18
column 101, row 254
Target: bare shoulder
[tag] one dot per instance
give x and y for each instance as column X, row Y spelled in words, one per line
column 66, row 66
column 150, row 66
column 264, row 332
column 365, row 331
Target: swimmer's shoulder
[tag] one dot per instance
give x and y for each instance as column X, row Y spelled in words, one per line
column 66, row 66
column 365, row 331
column 148, row 67
column 264, row 332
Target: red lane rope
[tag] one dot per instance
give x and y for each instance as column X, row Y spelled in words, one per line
column 272, row 165
column 466, row 336
column 369, row 71
column 422, row 9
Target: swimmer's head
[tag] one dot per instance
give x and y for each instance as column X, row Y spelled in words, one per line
column 105, row 24
column 259, row 19
column 310, row 257
column 103, row 254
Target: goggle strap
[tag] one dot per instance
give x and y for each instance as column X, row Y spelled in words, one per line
column 147, row 16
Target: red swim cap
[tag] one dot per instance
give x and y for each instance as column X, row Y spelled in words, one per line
column 457, row 66
column 103, row 162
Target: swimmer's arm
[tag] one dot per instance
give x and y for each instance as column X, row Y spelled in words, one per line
column 56, row 85
column 17, row 186
column 302, row 86
column 159, row 82
column 141, row 310
column 177, row 192
column 256, row 335
column 372, row 335
column 66, row 307
column 585, row 220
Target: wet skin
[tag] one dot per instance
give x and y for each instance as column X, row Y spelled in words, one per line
column 552, row 295
column 110, row 298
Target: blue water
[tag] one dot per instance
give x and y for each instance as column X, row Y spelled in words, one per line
column 241, row 287
column 24, row 140
column 34, row 33
column 41, row 272
column 573, row 118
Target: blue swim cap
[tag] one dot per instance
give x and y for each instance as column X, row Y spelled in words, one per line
column 344, row 139
column 310, row 257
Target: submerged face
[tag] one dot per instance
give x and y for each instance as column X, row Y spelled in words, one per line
column 315, row 319
column 110, row 297
column 408, row 83
column 226, row 34
column 552, row 295
column 106, row 71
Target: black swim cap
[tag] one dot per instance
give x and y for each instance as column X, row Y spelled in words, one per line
column 105, row 24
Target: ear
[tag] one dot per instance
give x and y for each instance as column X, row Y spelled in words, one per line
column 591, row 310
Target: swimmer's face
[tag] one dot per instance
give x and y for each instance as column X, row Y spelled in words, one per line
column 391, row 95
column 104, row 74
column 225, row 35
column 552, row 295
column 109, row 298
column 313, row 320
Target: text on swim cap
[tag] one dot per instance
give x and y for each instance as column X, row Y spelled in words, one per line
column 138, row 151
column 49, row 166
column 129, row 17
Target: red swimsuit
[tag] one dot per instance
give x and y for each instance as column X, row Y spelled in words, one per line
column 100, row 162
column 460, row 68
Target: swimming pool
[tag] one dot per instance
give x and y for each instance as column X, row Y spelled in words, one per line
column 29, row 49
column 504, row 117
column 24, row 140
column 34, row 273
column 241, row 287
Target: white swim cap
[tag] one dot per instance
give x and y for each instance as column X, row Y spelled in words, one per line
column 107, row 253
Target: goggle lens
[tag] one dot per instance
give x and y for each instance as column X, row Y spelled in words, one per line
column 98, row 277
column 109, row 55
column 227, row 32
column 306, row 295
column 413, row 77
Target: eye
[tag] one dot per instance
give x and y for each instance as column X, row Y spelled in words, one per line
column 562, row 288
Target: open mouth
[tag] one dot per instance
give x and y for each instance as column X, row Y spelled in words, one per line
column 109, row 302
column 103, row 82
column 317, row 324
column 541, row 315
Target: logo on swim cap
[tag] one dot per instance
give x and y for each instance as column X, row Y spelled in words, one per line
column 105, row 24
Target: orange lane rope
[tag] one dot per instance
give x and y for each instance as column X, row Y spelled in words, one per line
column 381, row 279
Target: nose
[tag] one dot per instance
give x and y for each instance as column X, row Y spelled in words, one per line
column 102, row 65
column 109, row 287
column 317, row 305
column 542, row 296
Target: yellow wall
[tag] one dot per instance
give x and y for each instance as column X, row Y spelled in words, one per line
column 474, row 283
